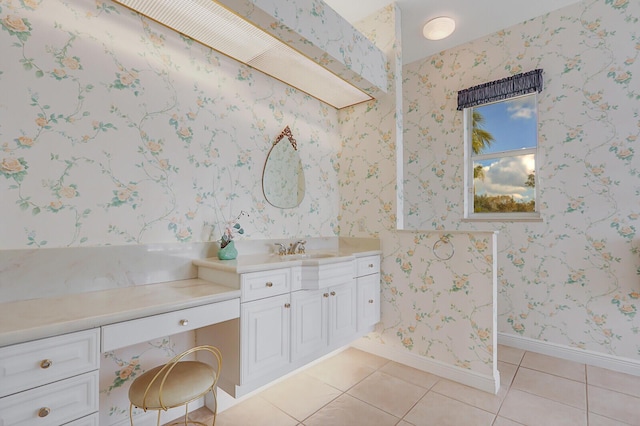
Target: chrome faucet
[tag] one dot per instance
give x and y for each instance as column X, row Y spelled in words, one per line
column 297, row 247
column 282, row 250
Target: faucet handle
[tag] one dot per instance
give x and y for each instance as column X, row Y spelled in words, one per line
column 282, row 250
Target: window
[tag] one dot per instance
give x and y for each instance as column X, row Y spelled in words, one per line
column 501, row 141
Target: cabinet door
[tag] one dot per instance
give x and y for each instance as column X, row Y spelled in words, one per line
column 309, row 323
column 368, row 301
column 265, row 331
column 342, row 312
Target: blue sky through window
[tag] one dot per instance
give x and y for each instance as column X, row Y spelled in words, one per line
column 513, row 124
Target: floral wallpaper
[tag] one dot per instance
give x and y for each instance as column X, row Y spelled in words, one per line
column 437, row 287
column 573, row 278
column 313, row 28
column 115, row 130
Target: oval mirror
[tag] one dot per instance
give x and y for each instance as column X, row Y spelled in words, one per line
column 283, row 178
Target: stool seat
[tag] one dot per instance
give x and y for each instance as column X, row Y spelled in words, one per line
column 177, row 383
column 187, row 382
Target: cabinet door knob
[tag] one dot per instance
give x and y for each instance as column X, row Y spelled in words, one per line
column 287, row 305
column 44, row 412
column 370, row 300
column 46, row 363
column 371, row 265
column 326, row 295
column 333, row 293
column 269, row 284
column 184, row 322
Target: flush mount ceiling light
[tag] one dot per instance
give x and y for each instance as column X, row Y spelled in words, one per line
column 439, row 28
column 217, row 27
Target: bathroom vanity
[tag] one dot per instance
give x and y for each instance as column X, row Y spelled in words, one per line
column 50, row 348
column 268, row 314
column 293, row 310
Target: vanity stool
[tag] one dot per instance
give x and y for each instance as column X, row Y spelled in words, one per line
column 177, row 383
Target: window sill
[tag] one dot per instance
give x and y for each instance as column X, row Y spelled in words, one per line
column 502, row 218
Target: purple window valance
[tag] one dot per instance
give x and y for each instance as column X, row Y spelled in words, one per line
column 516, row 85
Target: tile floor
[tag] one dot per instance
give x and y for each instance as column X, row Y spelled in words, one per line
column 355, row 388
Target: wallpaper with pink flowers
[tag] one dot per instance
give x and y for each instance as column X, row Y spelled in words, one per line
column 572, row 279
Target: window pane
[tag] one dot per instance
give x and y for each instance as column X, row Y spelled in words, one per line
column 505, row 125
column 504, row 184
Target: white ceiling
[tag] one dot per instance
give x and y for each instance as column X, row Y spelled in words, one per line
column 474, row 18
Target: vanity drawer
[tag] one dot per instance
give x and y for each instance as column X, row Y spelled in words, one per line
column 127, row 333
column 53, row 404
column 258, row 285
column 367, row 265
column 27, row 365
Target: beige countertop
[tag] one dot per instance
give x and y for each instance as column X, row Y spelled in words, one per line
column 263, row 262
column 32, row 319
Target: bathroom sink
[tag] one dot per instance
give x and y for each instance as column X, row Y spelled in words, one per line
column 316, row 255
column 303, row 256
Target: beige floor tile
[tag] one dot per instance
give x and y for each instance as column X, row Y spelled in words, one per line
column 436, row 409
column 598, row 420
column 552, row 387
column 340, row 372
column 507, row 373
column 510, row 355
column 349, row 411
column 410, row 374
column 404, row 423
column 533, row 410
column 255, row 411
column 388, row 393
column 613, row 380
column 559, row 367
column 615, row 405
column 501, row 421
column 202, row 414
column 484, row 400
column 362, row 357
column 301, row 395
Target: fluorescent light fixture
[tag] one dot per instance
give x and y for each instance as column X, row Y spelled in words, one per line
column 215, row 26
column 439, row 28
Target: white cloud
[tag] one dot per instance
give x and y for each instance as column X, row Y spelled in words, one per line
column 526, row 113
column 506, row 176
column 522, row 108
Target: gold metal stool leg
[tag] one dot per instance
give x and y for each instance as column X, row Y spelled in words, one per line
column 157, row 389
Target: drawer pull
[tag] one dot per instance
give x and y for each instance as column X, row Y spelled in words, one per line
column 333, row 293
column 326, row 295
column 184, row 322
column 44, row 412
column 46, row 363
column 370, row 300
column 287, row 305
column 269, row 284
column 371, row 265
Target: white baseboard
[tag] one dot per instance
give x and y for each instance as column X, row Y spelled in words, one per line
column 597, row 359
column 448, row 371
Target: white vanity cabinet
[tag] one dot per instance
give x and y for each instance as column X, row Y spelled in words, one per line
column 309, row 325
column 368, row 287
column 50, row 382
column 322, row 320
column 265, row 323
column 265, row 334
column 290, row 316
column 342, row 314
